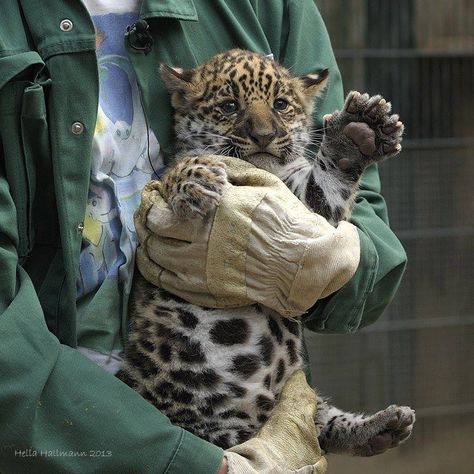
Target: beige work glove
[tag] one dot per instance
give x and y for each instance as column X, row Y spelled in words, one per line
column 288, row 441
column 260, row 245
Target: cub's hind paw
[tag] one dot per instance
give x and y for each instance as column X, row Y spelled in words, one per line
column 385, row 430
column 194, row 186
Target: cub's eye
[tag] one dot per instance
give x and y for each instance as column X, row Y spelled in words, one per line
column 280, row 104
column 229, row 107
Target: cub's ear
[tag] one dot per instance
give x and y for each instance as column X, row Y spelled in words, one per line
column 177, row 79
column 313, row 84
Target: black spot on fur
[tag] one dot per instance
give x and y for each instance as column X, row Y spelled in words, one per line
column 165, row 389
column 264, row 403
column 165, row 352
column 147, row 345
column 182, row 396
column 147, row 395
column 242, row 415
column 237, row 390
column 245, row 364
column 262, row 418
column 216, row 399
column 267, row 381
column 163, row 406
column 142, row 362
column 187, row 319
column 233, row 331
column 345, row 193
column 206, row 378
column 292, row 326
column 190, row 416
column 192, row 353
column 291, row 349
column 275, row 329
column 133, row 355
column 143, row 323
column 280, row 371
column 171, row 334
column 167, row 296
column 330, row 425
column 206, row 427
column 266, row 349
column 243, row 435
column 161, row 329
column 222, row 441
column 337, row 213
column 316, row 199
column 207, row 410
column 234, row 414
column 126, row 378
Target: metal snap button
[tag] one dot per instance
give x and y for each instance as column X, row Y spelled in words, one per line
column 80, row 227
column 77, row 128
column 66, row 25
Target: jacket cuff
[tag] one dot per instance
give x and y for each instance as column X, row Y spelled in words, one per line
column 206, row 458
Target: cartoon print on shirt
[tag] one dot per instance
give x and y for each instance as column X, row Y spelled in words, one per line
column 124, row 158
column 101, row 254
column 123, row 136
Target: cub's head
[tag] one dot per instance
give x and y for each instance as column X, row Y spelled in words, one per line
column 243, row 104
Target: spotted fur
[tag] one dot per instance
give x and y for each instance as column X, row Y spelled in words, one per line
column 219, row 372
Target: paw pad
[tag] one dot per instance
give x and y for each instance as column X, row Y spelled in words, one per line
column 366, row 123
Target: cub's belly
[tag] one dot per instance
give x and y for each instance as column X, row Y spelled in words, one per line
column 216, row 373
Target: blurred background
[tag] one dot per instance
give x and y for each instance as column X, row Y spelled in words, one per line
column 419, row 54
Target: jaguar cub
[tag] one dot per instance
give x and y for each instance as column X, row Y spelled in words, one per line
column 218, row 372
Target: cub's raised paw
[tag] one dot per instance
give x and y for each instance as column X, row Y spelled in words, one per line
column 364, row 125
column 385, row 430
column 194, row 186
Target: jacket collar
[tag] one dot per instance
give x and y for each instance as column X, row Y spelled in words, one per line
column 178, row 9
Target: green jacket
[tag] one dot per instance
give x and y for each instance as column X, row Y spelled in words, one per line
column 58, row 411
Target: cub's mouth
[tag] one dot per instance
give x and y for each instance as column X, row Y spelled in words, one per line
column 266, row 161
column 263, row 155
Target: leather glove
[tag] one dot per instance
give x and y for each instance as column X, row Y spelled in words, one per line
column 260, row 245
column 288, row 441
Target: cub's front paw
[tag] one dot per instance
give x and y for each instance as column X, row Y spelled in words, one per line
column 385, row 430
column 365, row 126
column 194, row 186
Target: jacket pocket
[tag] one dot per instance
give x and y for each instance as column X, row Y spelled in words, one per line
column 41, row 208
column 24, row 139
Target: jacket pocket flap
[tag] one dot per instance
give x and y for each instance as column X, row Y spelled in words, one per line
column 11, row 66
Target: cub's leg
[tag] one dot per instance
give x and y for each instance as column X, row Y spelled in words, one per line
column 361, row 134
column 362, row 435
column 194, row 185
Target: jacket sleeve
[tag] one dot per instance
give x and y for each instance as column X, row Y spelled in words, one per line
column 304, row 47
column 58, row 411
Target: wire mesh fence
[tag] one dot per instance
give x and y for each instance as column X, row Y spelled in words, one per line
column 420, row 55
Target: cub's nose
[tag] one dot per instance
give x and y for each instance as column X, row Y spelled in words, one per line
column 262, row 137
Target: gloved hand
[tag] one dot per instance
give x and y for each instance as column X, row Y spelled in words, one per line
column 288, row 441
column 261, row 245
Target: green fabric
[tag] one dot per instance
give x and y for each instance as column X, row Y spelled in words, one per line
column 51, row 397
